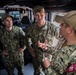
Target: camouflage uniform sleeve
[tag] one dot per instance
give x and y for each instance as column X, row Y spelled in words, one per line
column 22, row 38
column 50, row 38
column 28, row 37
column 62, row 59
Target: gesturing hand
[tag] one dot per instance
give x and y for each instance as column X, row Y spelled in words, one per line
column 43, row 46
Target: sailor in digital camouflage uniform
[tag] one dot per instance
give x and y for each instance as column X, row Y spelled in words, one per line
column 40, row 31
column 64, row 60
column 12, row 40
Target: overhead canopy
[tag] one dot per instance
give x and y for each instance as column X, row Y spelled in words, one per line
column 48, row 4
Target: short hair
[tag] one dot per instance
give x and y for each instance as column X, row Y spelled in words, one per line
column 5, row 16
column 38, row 8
